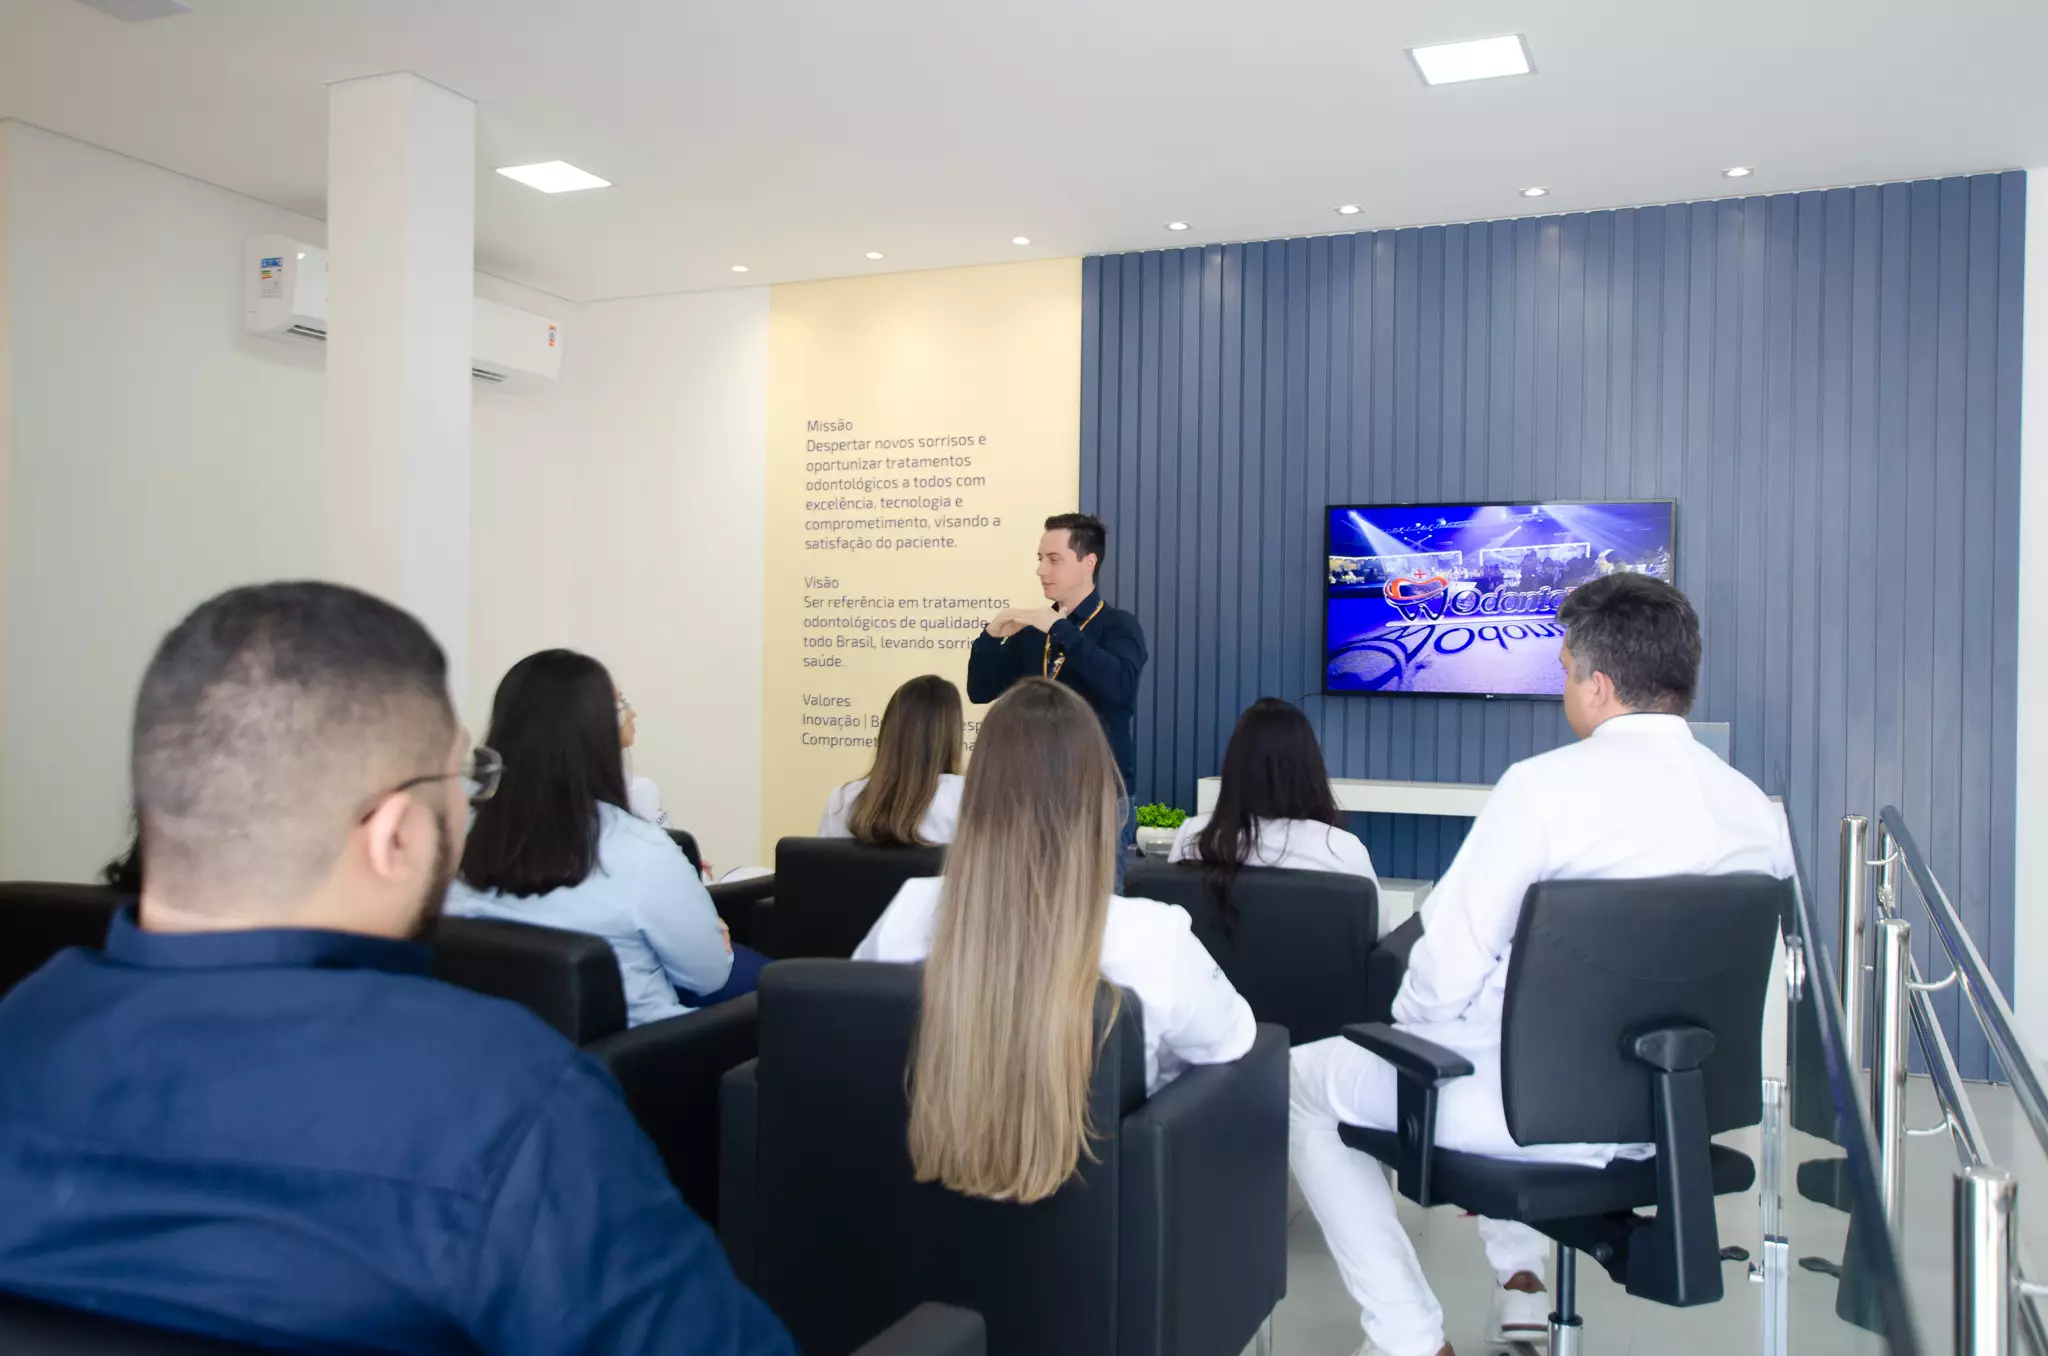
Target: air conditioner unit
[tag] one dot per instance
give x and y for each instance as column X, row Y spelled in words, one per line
column 284, row 292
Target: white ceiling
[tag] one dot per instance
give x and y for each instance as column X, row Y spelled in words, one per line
column 794, row 136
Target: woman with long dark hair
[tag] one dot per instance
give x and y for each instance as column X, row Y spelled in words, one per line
column 559, row 847
column 1015, row 940
column 1274, row 807
column 911, row 795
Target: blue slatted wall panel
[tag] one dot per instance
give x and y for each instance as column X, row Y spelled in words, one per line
column 1827, row 382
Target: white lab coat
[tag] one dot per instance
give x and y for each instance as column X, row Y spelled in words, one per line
column 941, row 817
column 1192, row 1013
column 1299, row 844
column 1641, row 797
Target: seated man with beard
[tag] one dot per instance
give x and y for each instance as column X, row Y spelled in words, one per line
column 255, row 1116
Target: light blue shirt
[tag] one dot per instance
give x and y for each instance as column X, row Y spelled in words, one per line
column 644, row 899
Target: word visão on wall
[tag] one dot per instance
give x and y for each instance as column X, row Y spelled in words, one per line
column 1827, row 384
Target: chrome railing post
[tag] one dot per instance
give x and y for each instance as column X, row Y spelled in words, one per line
column 1774, row 1269
column 1984, row 1288
column 1851, row 958
column 1887, row 871
column 1888, row 1062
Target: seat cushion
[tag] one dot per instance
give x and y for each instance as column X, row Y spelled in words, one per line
column 1502, row 1188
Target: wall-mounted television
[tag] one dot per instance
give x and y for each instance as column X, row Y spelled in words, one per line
column 1461, row 599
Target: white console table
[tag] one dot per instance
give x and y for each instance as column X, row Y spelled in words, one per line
column 1360, row 795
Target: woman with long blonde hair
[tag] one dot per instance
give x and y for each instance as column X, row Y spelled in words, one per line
column 911, row 796
column 1015, row 939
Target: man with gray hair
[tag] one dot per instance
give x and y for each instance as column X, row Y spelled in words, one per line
column 255, row 1116
column 1636, row 797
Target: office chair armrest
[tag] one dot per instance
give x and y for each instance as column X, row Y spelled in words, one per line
column 1203, row 1234
column 1423, row 1068
column 1411, row 1055
column 932, row 1330
column 1386, row 965
column 739, row 1106
column 735, row 902
column 670, row 1071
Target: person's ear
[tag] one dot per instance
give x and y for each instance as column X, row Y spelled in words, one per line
column 388, row 842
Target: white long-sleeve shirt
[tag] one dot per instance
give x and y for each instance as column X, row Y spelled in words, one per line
column 940, row 817
column 1300, row 844
column 1640, row 797
column 1192, row 1013
column 644, row 900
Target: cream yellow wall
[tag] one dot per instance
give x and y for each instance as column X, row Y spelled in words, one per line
column 980, row 366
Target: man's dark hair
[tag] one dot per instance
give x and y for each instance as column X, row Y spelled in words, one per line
column 555, row 722
column 1642, row 633
column 1086, row 536
column 265, row 721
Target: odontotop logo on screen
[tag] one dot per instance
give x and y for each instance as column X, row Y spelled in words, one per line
column 1431, row 599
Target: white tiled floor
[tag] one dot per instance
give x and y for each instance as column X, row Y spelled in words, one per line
column 1318, row 1319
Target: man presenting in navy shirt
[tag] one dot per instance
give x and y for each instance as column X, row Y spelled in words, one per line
column 255, row 1116
column 1078, row 639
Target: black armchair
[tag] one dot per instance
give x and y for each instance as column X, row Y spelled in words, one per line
column 1171, row 1239
column 1298, row 947
column 40, row 918
column 830, row 891
column 1634, row 1013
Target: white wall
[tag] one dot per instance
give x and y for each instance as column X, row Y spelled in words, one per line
column 160, row 455
column 6, row 416
column 622, row 516
column 2030, row 886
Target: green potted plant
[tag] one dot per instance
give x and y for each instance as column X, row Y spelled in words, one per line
column 1157, row 825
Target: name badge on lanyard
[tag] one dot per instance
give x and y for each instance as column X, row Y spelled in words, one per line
column 1050, row 667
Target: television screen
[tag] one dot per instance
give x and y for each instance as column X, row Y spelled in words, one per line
column 1461, row 599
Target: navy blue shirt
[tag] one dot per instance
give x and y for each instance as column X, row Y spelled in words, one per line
column 299, row 1139
column 1100, row 660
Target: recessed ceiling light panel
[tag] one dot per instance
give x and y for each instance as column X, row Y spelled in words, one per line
column 874, row 254
column 1176, row 225
column 1535, row 192
column 739, row 268
column 1450, row 63
column 1349, row 209
column 1738, row 172
column 1020, row 240
column 136, row 11
column 554, row 176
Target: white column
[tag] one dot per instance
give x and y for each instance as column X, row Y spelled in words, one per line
column 401, row 233
column 2030, row 885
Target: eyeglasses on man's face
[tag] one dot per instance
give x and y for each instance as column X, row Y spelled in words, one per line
column 480, row 774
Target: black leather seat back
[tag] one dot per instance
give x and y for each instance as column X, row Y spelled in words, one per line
column 847, row 1239
column 1596, row 962
column 570, row 978
column 1297, row 951
column 38, row 919
column 830, row 891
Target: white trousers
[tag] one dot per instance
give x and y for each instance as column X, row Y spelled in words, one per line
column 1336, row 1082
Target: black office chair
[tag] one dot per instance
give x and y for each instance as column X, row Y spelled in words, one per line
column 570, row 979
column 830, row 891
column 1298, row 945
column 1634, row 1014
column 33, row 1329
column 40, row 918
column 1171, row 1239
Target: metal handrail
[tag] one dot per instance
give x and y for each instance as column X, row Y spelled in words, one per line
column 1994, row 1014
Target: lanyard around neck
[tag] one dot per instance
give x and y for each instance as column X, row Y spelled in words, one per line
column 1048, row 666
